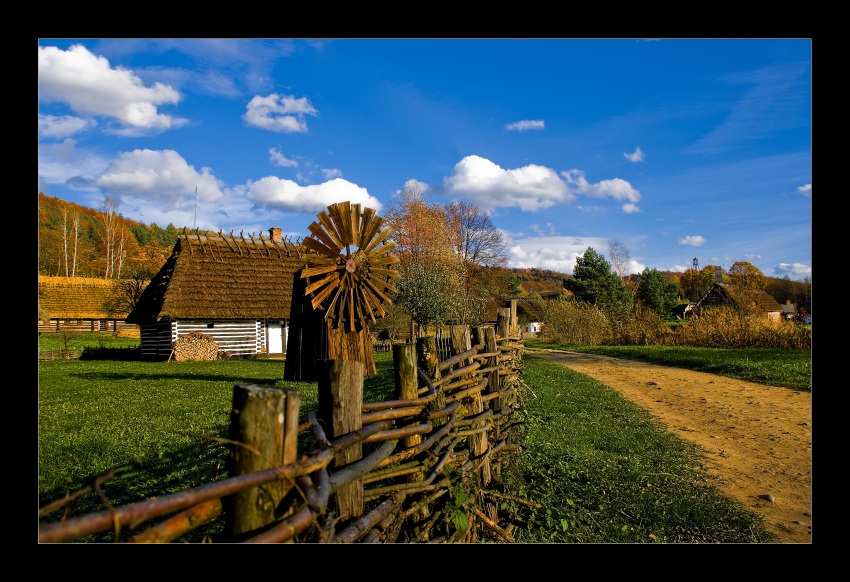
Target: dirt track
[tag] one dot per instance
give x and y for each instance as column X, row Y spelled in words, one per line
column 757, row 438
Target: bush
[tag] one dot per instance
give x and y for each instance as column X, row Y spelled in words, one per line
column 574, row 322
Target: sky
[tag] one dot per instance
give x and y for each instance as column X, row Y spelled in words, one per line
column 677, row 149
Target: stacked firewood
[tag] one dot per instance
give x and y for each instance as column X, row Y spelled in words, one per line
column 195, row 346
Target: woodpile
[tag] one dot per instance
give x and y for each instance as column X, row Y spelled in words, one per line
column 195, row 346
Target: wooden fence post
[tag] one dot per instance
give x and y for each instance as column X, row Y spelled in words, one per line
column 503, row 322
column 406, row 381
column 264, row 421
column 340, row 407
column 428, row 359
column 478, row 443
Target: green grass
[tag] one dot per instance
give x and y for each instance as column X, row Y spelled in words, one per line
column 777, row 367
column 604, row 471
column 54, row 342
column 601, row 470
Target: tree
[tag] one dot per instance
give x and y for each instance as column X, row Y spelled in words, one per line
column 657, row 293
column 594, row 282
column 127, row 292
column 620, row 258
column 746, row 276
column 479, row 242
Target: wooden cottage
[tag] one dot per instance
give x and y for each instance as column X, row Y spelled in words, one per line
column 236, row 289
column 725, row 294
column 79, row 304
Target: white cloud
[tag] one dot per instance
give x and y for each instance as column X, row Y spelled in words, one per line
column 616, row 189
column 555, row 253
column 287, row 195
column 635, row 156
column 58, row 127
column 162, row 176
column 283, row 113
column 63, row 162
column 805, row 190
column 278, row 159
column 529, row 188
column 526, row 125
column 88, row 84
column 793, row 270
column 331, row 173
column 691, row 241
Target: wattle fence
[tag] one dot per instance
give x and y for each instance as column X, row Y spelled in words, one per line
column 355, row 471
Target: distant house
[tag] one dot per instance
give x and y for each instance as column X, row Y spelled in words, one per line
column 236, row 289
column 789, row 310
column 78, row 304
column 726, row 294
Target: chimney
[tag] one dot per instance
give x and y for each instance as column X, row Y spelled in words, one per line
column 718, row 275
column 276, row 234
column 787, row 302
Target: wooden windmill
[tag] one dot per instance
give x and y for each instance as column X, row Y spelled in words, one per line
column 343, row 286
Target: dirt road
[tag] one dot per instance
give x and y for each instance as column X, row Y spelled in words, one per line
column 757, row 438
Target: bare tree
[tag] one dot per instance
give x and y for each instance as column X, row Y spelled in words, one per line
column 76, row 224
column 480, row 243
column 65, row 237
column 110, row 234
column 618, row 256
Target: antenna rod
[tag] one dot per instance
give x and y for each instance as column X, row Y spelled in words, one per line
column 195, row 221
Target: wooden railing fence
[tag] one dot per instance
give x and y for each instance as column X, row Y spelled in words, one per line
column 372, row 472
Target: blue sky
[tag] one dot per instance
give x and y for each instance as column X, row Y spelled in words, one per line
column 676, row 148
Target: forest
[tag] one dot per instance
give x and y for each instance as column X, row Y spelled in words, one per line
column 77, row 241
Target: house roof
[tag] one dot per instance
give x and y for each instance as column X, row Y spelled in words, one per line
column 727, row 294
column 75, row 298
column 222, row 277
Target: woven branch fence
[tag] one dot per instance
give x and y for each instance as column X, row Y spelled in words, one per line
column 371, row 472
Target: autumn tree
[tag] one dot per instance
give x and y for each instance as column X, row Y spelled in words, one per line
column 746, row 276
column 127, row 291
column 430, row 268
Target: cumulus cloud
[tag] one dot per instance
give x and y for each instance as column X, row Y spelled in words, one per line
column 92, row 88
column 59, row 127
column 282, row 113
column 289, row 196
column 526, row 124
column 635, row 156
column 529, row 188
column 793, row 270
column 555, row 253
column 163, row 176
column 616, row 189
column 805, row 190
column 691, row 241
column 278, row 159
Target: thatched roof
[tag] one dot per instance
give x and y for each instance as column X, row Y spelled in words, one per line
column 75, row 298
column 721, row 294
column 222, row 277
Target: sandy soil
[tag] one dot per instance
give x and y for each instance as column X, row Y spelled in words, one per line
column 757, row 438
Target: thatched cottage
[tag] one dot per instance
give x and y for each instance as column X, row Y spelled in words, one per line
column 236, row 289
column 78, row 304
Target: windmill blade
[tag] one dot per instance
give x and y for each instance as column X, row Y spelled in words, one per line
column 389, row 260
column 340, row 213
column 385, row 272
column 330, row 228
column 320, row 233
column 313, row 271
column 323, row 281
column 315, row 245
column 378, row 239
column 355, row 224
column 383, row 249
column 365, row 225
column 317, row 300
column 375, row 285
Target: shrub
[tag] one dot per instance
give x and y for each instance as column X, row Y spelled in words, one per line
column 574, row 322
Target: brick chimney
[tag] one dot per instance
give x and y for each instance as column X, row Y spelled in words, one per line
column 276, row 234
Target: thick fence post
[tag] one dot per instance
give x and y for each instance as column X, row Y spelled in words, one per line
column 428, row 359
column 503, row 321
column 264, row 423
column 478, row 443
column 406, row 380
column 340, row 407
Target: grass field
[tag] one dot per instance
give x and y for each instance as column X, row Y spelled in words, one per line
column 595, row 468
